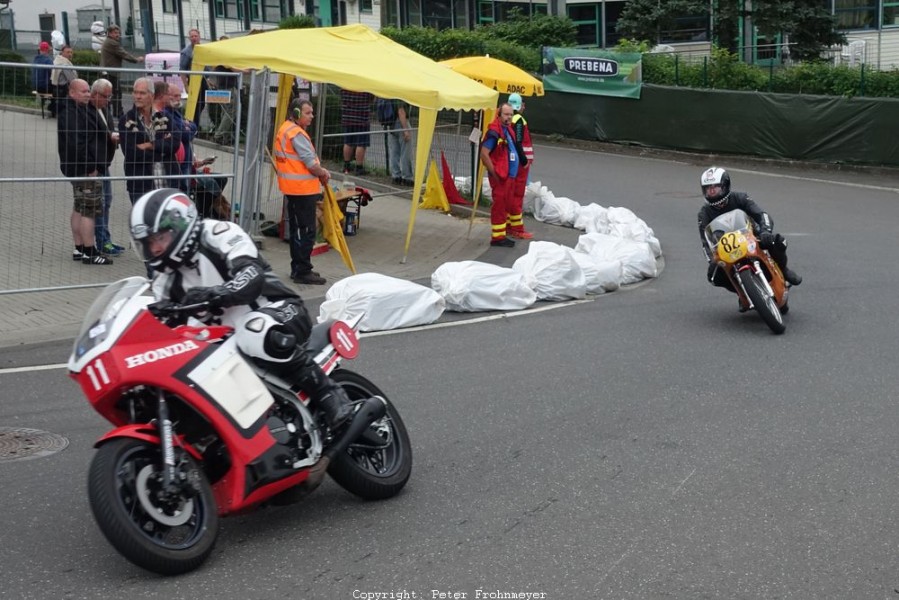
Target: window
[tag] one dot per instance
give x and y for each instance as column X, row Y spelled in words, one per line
column 613, row 11
column 365, row 6
column 273, row 11
column 891, row 14
column 485, row 12
column 586, row 18
column 687, row 29
column 414, row 7
column 169, row 7
column 437, row 14
column 856, row 14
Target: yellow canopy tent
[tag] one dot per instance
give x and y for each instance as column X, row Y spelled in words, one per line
column 356, row 58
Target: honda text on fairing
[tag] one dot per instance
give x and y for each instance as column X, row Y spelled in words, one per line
column 201, row 432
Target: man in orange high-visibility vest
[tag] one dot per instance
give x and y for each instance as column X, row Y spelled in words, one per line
column 300, row 178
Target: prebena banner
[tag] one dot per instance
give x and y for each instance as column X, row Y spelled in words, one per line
column 590, row 71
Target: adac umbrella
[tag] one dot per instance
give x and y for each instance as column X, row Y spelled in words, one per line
column 497, row 74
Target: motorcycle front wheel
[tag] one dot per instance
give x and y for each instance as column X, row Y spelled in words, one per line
column 379, row 463
column 764, row 302
column 167, row 532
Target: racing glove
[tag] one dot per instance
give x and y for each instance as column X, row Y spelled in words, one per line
column 216, row 296
column 766, row 239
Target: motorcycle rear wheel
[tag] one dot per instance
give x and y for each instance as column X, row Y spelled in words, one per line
column 379, row 464
column 168, row 539
column 763, row 302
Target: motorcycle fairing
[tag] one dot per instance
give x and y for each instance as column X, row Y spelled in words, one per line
column 226, row 378
column 147, row 433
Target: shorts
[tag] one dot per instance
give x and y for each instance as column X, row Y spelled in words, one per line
column 356, row 135
column 88, row 198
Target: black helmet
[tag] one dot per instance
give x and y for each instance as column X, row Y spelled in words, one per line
column 160, row 211
column 715, row 176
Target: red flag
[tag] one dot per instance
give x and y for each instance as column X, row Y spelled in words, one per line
column 449, row 186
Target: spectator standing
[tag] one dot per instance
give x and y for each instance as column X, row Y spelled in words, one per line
column 148, row 141
column 40, row 75
column 188, row 131
column 187, row 58
column 300, row 178
column 111, row 55
column 227, row 112
column 525, row 149
column 106, row 143
column 63, row 73
column 501, row 161
column 77, row 135
column 399, row 143
column 355, row 119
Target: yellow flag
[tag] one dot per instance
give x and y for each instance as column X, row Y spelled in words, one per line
column 332, row 229
column 435, row 195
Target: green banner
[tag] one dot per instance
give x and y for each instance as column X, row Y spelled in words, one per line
column 597, row 72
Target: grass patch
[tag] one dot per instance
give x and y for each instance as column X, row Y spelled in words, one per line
column 24, row 102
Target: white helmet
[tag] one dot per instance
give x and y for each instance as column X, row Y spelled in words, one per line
column 715, row 176
column 166, row 210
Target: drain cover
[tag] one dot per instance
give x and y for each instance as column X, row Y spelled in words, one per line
column 21, row 444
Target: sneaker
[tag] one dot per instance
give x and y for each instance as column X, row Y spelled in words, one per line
column 521, row 234
column 397, row 181
column 792, row 277
column 503, row 243
column 111, row 249
column 408, row 182
column 96, row 259
column 77, row 254
column 360, row 170
column 309, row 278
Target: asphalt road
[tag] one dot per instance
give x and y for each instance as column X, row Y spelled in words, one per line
column 653, row 443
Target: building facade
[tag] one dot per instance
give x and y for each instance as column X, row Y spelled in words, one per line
column 871, row 26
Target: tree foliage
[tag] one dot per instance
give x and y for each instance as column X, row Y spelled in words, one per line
column 533, row 32
column 517, row 41
column 809, row 25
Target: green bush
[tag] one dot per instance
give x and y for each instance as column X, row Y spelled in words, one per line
column 541, row 30
column 724, row 70
column 86, row 58
column 297, row 22
column 517, row 41
column 14, row 82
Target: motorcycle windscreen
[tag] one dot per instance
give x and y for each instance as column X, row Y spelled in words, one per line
column 734, row 220
column 226, row 377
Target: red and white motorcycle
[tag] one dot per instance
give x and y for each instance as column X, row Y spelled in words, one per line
column 201, row 432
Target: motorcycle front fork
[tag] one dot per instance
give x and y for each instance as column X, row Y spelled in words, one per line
column 757, row 268
column 168, row 445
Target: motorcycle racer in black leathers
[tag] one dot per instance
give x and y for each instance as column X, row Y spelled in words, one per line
column 203, row 260
column 719, row 199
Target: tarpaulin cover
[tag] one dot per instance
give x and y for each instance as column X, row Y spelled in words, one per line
column 831, row 129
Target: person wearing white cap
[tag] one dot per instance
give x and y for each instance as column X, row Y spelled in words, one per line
column 526, row 154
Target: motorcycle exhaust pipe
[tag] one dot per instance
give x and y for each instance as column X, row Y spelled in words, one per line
column 370, row 411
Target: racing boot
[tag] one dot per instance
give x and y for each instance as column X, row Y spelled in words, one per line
column 326, row 395
column 779, row 254
column 792, row 276
column 304, row 374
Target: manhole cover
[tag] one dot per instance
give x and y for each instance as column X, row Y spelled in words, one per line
column 21, row 444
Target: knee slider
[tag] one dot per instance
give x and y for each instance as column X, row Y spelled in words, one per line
column 279, row 343
column 262, row 337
